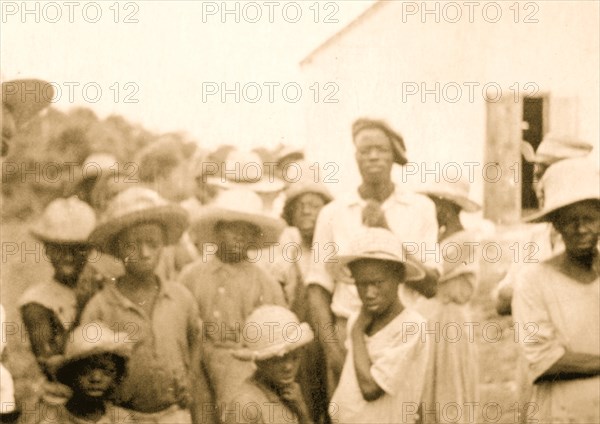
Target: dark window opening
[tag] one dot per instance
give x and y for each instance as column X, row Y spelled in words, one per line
column 533, row 133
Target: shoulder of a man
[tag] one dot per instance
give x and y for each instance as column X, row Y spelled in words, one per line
column 415, row 200
column 97, row 305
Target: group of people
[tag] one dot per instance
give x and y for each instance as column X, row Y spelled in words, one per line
column 260, row 300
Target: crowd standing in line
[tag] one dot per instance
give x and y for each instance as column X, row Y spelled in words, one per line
column 204, row 316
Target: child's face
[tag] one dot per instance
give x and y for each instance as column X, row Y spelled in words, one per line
column 306, row 210
column 235, row 238
column 97, row 377
column 376, row 284
column 280, row 371
column 68, row 261
column 140, row 246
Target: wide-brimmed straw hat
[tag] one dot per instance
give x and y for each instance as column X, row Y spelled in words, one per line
column 286, row 152
column 246, row 170
column 566, row 182
column 65, row 221
column 25, row 98
column 88, row 341
column 263, row 340
column 307, row 185
column 554, row 148
column 138, row 205
column 236, row 205
column 375, row 243
column 456, row 192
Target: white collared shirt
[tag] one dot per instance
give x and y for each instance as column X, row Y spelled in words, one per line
column 411, row 216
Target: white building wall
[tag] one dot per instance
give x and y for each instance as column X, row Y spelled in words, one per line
column 376, row 60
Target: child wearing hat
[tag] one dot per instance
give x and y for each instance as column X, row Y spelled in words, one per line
column 164, row 383
column 49, row 308
column 383, row 374
column 93, row 365
column 227, row 283
column 274, row 340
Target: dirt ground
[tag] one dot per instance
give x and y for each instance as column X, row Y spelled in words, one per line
column 23, row 263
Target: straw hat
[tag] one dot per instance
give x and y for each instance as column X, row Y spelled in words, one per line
column 137, row 205
column 262, row 341
column 455, row 192
column 566, row 182
column 375, row 243
column 299, row 188
column 87, row 341
column 554, row 148
column 246, row 170
column 97, row 164
column 288, row 153
column 65, row 221
column 25, row 98
column 236, row 204
column 306, row 185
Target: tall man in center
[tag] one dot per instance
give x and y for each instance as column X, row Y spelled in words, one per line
column 377, row 202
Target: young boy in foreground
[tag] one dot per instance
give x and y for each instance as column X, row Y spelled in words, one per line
column 383, row 374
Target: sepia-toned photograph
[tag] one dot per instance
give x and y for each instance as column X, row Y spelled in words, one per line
column 300, row 212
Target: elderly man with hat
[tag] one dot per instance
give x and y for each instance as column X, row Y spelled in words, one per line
column 561, row 298
column 273, row 340
column 165, row 382
column 376, row 202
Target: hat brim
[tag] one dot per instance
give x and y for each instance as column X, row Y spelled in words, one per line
column 260, row 186
column 44, row 237
column 292, row 194
column 278, row 350
column 203, row 226
column 70, row 365
column 465, row 204
column 544, row 214
column 414, row 272
column 173, row 218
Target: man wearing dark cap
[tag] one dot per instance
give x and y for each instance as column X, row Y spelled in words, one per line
column 377, row 202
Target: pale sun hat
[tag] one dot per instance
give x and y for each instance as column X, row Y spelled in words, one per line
column 554, row 148
column 138, row 205
column 87, row 341
column 247, row 170
column 65, row 221
column 97, row 164
column 566, row 182
column 375, row 243
column 236, row 205
column 456, row 192
column 263, row 340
